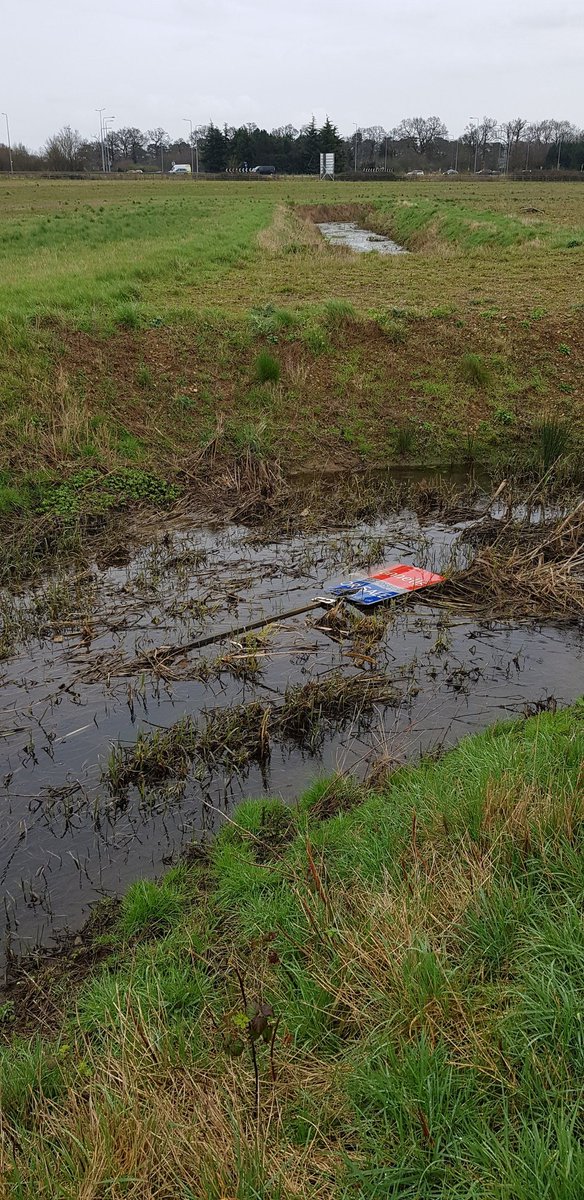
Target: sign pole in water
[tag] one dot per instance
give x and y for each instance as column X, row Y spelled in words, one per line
column 327, row 166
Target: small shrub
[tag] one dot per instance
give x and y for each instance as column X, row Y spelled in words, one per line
column 268, row 321
column 552, row 439
column 475, row 369
column 129, row 445
column 504, row 417
column 442, row 311
column 267, row 368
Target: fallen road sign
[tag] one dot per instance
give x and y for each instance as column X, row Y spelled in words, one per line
column 386, row 584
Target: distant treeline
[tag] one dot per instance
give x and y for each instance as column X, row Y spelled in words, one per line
column 417, row 143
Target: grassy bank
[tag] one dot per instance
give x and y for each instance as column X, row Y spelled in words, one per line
column 143, row 321
column 373, row 994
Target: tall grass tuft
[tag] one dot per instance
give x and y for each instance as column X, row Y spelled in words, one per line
column 338, row 312
column 475, row 369
column 267, row 368
column 153, row 908
column 404, row 440
column 552, row 440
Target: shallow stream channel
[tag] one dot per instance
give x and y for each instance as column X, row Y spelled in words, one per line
column 362, row 241
column 120, row 746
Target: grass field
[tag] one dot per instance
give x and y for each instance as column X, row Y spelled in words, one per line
column 138, row 317
column 373, row 994
column 377, row 992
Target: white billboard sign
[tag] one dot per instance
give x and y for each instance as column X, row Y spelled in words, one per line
column 327, row 166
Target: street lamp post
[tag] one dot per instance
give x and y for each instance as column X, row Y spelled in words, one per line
column 187, row 121
column 101, row 112
column 5, row 115
column 476, row 153
column 108, row 165
column 355, row 160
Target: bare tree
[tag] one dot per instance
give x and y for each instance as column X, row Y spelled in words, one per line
column 479, row 137
column 63, row 151
column 155, row 138
column 513, row 130
column 553, row 132
column 130, row 142
column 421, row 132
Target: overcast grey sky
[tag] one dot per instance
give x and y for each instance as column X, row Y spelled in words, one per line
column 153, row 62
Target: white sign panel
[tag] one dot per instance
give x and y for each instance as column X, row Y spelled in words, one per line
column 327, row 166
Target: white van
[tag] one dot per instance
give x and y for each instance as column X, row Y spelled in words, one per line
column 180, row 169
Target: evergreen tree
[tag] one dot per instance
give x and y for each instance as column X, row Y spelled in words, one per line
column 330, row 142
column 310, row 152
column 214, row 149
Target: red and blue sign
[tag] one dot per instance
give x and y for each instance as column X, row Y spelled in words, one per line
column 387, row 584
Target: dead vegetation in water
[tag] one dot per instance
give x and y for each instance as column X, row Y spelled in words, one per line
column 523, row 570
column 253, row 490
column 364, row 631
column 232, row 738
column 245, row 660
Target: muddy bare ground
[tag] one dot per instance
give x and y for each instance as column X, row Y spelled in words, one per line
column 97, row 684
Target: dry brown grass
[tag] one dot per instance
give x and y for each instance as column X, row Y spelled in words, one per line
column 289, row 229
column 525, row 572
column 157, row 1128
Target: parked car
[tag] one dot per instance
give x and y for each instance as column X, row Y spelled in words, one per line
column 452, row 171
column 263, row 170
column 413, row 174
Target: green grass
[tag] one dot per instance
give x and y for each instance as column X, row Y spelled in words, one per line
column 267, row 368
column 475, row 369
column 419, row 954
column 553, row 441
column 130, row 315
column 338, row 312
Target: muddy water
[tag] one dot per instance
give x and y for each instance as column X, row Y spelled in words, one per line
column 67, row 697
column 363, row 241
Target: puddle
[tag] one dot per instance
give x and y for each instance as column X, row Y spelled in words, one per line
column 362, row 241
column 69, row 695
